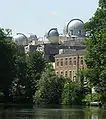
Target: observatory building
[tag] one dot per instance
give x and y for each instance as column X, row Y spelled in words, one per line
column 71, row 50
column 70, row 40
column 65, row 50
column 29, row 42
column 51, row 47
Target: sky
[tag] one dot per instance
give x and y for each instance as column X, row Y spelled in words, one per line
column 38, row 16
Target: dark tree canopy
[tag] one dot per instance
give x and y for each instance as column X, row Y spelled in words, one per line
column 7, row 58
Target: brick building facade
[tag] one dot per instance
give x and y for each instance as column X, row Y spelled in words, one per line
column 68, row 65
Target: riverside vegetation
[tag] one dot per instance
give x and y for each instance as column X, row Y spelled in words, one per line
column 30, row 79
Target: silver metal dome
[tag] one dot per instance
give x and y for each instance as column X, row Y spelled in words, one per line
column 20, row 40
column 75, row 27
column 53, row 32
column 53, row 35
column 32, row 37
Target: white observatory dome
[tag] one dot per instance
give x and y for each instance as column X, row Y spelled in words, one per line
column 32, row 37
column 74, row 28
column 21, row 40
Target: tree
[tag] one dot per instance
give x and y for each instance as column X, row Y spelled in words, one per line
column 96, row 49
column 19, row 86
column 84, row 83
column 49, row 88
column 102, row 4
column 36, row 65
column 7, row 58
column 72, row 93
column 28, row 70
column 97, row 22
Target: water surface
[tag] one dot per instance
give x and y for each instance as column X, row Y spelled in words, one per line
column 76, row 112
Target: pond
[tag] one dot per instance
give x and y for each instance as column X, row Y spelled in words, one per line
column 63, row 112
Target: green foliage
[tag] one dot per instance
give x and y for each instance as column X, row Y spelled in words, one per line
column 36, row 62
column 36, row 65
column 28, row 69
column 5, row 34
column 72, row 93
column 103, row 98
column 7, row 58
column 18, row 88
column 96, row 61
column 20, row 50
column 96, row 49
column 102, row 4
column 83, row 81
column 49, row 88
column 95, row 97
column 97, row 22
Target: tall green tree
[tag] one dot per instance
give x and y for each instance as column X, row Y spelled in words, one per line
column 7, row 58
column 49, row 88
column 96, row 49
column 36, row 62
column 35, row 66
column 28, row 71
column 19, row 87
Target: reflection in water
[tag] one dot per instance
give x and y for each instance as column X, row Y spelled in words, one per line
column 94, row 116
column 60, row 113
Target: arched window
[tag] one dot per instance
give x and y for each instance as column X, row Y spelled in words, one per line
column 61, row 73
column 66, row 73
column 66, row 61
column 61, row 62
column 74, row 61
column 70, row 74
column 57, row 62
column 70, row 61
column 81, row 61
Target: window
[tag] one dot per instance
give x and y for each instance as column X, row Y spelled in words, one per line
column 66, row 61
column 61, row 62
column 61, row 73
column 66, row 74
column 57, row 72
column 57, row 62
column 81, row 61
column 70, row 61
column 73, row 75
column 74, row 61
column 70, row 74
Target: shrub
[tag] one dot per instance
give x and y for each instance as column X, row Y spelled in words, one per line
column 95, row 97
column 72, row 93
